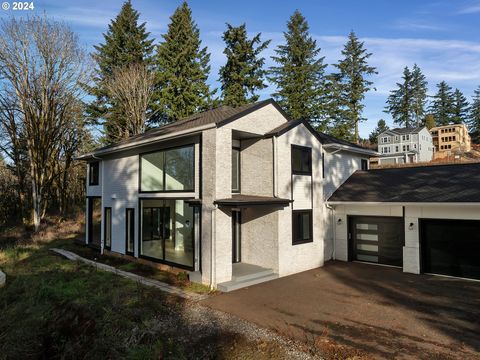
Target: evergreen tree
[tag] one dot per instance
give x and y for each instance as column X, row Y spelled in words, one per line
column 352, row 74
column 381, row 127
column 126, row 42
column 183, row 68
column 460, row 108
column 442, row 105
column 300, row 73
column 474, row 116
column 419, row 90
column 400, row 101
column 243, row 73
column 429, row 121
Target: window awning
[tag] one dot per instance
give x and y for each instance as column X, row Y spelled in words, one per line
column 241, row 200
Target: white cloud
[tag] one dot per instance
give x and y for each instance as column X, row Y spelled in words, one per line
column 472, row 8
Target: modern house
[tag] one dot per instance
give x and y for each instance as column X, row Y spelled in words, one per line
column 238, row 196
column 450, row 139
column 228, row 194
column 405, row 145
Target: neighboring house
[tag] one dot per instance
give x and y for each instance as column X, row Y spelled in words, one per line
column 450, row 139
column 405, row 145
column 234, row 196
column 424, row 219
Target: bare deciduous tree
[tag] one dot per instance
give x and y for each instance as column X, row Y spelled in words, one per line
column 132, row 88
column 42, row 63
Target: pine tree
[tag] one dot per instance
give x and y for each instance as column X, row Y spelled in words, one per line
column 243, row 73
column 442, row 105
column 419, row 94
column 429, row 121
column 460, row 108
column 474, row 116
column 353, row 72
column 381, row 127
column 183, row 69
column 300, row 73
column 400, row 101
column 126, row 42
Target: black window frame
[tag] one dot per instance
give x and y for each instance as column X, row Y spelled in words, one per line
column 237, row 148
column 362, row 163
column 132, row 230
column 323, row 165
column 140, row 191
column 304, row 150
column 93, row 168
column 297, row 226
column 105, row 227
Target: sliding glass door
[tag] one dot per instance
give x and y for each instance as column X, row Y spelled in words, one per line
column 167, row 231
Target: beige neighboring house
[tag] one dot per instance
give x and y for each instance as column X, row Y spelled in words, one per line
column 449, row 139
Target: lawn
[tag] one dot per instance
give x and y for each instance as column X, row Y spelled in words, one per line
column 52, row 307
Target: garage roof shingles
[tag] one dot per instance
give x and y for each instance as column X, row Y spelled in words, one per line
column 455, row 183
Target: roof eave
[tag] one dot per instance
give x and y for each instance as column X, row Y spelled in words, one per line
column 400, row 203
column 351, row 149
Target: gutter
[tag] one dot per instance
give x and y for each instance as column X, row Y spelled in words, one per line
column 139, row 143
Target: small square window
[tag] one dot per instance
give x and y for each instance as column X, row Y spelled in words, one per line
column 93, row 173
column 301, row 226
column 301, row 160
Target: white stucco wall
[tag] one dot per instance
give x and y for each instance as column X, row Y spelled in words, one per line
column 256, row 167
column 259, row 122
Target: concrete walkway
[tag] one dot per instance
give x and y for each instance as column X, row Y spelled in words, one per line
column 143, row 280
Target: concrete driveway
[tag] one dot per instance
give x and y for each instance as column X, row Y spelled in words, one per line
column 379, row 310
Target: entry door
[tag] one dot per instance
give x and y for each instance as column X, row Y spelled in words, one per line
column 451, row 247
column 376, row 239
column 236, row 237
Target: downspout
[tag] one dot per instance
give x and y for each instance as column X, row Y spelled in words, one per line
column 275, row 166
column 213, row 251
column 334, row 232
column 102, row 229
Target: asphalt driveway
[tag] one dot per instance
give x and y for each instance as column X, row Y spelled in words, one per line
column 379, row 310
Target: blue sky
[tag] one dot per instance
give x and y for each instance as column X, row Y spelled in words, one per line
column 440, row 36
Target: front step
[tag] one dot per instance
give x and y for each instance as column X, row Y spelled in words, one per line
column 249, row 281
column 251, row 276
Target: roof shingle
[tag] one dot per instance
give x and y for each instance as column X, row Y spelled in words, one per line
column 429, row 184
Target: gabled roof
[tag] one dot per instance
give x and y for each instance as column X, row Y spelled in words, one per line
column 452, row 183
column 215, row 117
column 403, row 131
column 326, row 140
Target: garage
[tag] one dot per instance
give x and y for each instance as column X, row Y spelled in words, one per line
column 376, row 239
column 450, row 247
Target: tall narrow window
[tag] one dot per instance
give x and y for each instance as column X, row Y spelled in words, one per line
column 108, row 228
column 364, row 164
column 301, row 226
column 130, row 231
column 93, row 173
column 235, row 170
column 323, row 165
column 301, row 160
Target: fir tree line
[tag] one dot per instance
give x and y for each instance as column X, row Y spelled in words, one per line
column 410, row 106
column 330, row 102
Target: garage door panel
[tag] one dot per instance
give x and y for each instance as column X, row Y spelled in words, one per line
column 377, row 239
column 451, row 247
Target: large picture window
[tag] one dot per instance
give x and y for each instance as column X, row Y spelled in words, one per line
column 301, row 226
column 167, row 231
column 301, row 160
column 168, row 170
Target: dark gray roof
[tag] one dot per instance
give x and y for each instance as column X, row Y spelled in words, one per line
column 322, row 137
column 220, row 115
column 430, row 184
column 402, row 131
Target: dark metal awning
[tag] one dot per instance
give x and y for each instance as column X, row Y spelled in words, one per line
column 252, row 200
